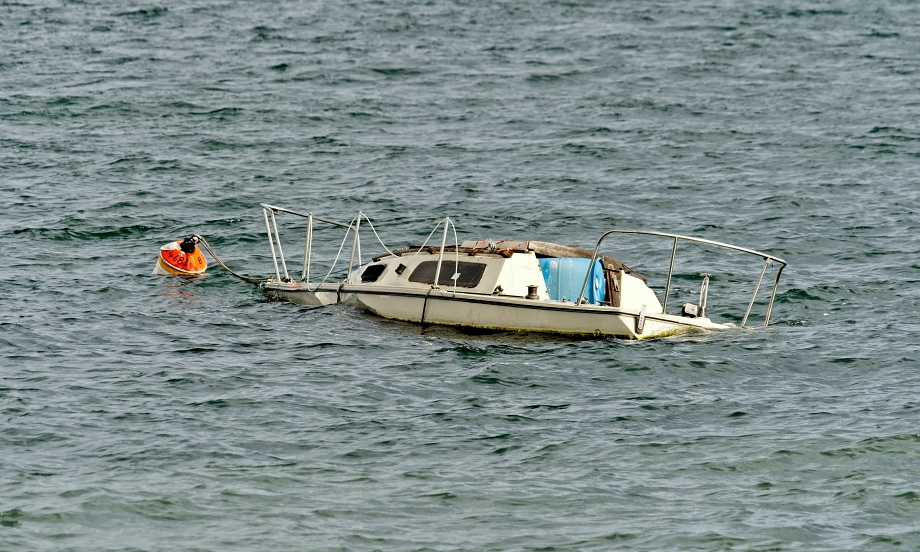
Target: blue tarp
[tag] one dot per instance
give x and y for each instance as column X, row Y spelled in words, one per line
column 564, row 278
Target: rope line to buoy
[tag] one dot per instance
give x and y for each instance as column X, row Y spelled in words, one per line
column 249, row 279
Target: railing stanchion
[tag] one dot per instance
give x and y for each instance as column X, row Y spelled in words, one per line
column 667, row 287
column 354, row 248
column 280, row 251
column 437, row 272
column 766, row 319
column 766, row 263
column 360, row 214
column 307, row 250
column 271, row 242
column 704, row 295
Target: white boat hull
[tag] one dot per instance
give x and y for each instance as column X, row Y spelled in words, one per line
column 318, row 296
column 468, row 310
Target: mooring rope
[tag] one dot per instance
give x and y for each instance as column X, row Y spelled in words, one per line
column 250, row 279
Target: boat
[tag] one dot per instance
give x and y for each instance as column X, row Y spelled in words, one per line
column 505, row 285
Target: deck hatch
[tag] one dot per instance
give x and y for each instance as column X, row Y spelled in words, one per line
column 470, row 273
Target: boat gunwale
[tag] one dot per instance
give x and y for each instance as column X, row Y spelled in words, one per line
column 497, row 300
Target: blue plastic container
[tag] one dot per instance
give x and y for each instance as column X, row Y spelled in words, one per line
column 564, row 277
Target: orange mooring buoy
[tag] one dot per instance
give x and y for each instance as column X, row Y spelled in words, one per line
column 181, row 258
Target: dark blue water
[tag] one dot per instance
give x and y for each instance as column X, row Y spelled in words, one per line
column 149, row 413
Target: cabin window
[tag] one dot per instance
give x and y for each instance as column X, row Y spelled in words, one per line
column 470, row 273
column 372, row 272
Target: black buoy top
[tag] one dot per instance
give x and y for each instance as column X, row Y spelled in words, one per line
column 188, row 244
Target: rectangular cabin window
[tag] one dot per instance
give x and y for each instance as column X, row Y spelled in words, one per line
column 470, row 273
column 373, row 272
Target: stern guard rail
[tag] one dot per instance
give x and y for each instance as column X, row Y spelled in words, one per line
column 767, row 261
column 271, row 227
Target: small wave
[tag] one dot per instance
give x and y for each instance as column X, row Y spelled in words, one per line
column 267, row 34
column 194, row 350
column 498, row 437
column 549, row 406
column 225, row 111
column 216, row 403
column 144, row 13
column 620, row 537
column 10, row 518
column 490, row 380
column 327, row 141
column 121, row 60
column 544, row 78
column 67, row 100
column 68, row 234
column 183, row 105
column 909, row 438
column 468, row 350
column 795, row 295
column 395, row 71
column 814, row 12
column 884, row 539
column 881, row 34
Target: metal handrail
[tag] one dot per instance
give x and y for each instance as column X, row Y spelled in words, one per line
column 304, row 215
column 437, row 273
column 274, row 238
column 768, row 260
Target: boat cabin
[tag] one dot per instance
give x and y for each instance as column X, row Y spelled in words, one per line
column 534, row 270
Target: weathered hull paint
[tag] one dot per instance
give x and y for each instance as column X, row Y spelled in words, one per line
column 502, row 313
column 299, row 294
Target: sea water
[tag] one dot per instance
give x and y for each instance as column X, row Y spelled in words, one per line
column 151, row 413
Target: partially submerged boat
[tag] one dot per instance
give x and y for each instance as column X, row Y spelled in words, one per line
column 514, row 285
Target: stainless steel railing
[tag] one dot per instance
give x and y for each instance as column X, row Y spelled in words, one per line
column 274, row 238
column 767, row 258
column 271, row 227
